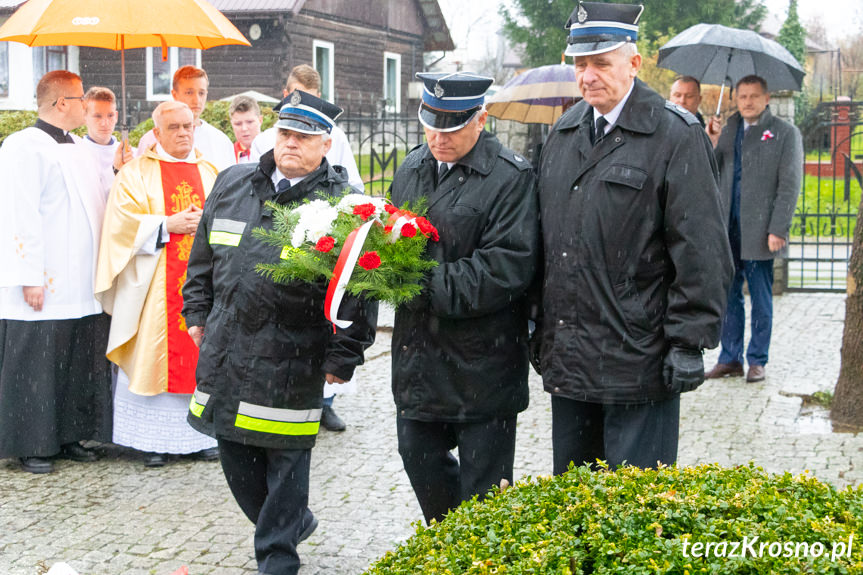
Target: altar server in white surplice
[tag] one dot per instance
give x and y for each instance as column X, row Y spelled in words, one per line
column 190, row 86
column 100, row 116
column 55, row 383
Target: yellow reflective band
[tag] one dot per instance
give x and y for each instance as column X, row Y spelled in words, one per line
column 196, row 408
column 277, row 427
column 225, row 239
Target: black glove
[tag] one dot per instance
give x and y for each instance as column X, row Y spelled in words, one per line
column 683, row 369
column 534, row 349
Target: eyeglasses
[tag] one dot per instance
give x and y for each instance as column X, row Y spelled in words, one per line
column 68, row 98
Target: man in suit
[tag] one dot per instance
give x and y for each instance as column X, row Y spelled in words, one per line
column 760, row 160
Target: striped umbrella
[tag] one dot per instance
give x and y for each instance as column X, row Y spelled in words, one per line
column 536, row 96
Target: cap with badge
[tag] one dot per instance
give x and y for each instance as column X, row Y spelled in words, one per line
column 595, row 27
column 307, row 114
column 451, row 100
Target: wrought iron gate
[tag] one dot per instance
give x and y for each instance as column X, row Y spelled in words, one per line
column 823, row 225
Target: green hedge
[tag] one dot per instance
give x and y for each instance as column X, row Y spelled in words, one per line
column 216, row 113
column 634, row 521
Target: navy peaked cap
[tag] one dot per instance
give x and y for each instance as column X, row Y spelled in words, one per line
column 451, row 100
column 596, row 27
column 302, row 112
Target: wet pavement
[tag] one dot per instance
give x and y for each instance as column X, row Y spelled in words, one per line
column 117, row 517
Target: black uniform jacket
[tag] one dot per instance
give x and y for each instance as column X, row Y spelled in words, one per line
column 460, row 353
column 636, row 252
column 266, row 346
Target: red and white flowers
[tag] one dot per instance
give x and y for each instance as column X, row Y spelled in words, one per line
column 767, row 135
column 364, row 245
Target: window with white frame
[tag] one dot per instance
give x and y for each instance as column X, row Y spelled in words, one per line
column 324, row 63
column 160, row 73
column 393, row 82
column 4, row 70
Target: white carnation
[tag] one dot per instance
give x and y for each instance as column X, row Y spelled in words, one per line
column 316, row 220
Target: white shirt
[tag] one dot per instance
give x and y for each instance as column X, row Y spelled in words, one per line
column 340, row 153
column 215, row 146
column 614, row 114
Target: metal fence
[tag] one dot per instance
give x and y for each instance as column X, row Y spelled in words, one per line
column 823, row 225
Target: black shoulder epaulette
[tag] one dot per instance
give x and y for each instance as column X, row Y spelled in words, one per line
column 682, row 112
column 413, row 157
column 516, row 160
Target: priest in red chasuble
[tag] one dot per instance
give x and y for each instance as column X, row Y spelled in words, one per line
column 150, row 221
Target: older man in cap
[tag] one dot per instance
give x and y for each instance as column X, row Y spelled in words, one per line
column 266, row 348
column 637, row 262
column 460, row 359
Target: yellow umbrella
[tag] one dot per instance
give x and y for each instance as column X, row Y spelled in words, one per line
column 121, row 24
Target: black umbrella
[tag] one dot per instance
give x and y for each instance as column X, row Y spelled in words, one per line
column 715, row 54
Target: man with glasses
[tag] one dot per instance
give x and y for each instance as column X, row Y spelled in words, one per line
column 55, row 382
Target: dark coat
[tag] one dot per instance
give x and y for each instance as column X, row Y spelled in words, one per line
column 460, row 352
column 266, row 346
column 636, row 253
column 769, row 184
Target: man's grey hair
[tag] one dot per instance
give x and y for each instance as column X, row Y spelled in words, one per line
column 629, row 49
column 165, row 107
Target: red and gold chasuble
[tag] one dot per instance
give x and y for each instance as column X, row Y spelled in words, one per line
column 181, row 184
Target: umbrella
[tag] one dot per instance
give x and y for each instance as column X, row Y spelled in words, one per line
column 539, row 95
column 715, row 54
column 121, row 24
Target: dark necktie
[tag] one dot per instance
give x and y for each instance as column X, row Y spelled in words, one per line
column 601, row 123
column 441, row 172
column 283, row 186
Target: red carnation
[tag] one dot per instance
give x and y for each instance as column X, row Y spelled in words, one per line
column 427, row 229
column 369, row 260
column 365, row 210
column 391, row 209
column 409, row 231
column 325, row 244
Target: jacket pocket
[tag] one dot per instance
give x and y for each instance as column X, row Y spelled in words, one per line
column 629, row 176
column 632, row 309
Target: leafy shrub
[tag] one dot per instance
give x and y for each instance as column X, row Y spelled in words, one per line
column 14, row 120
column 635, row 521
column 215, row 113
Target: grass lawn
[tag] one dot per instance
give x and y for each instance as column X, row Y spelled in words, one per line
column 827, row 197
column 378, row 181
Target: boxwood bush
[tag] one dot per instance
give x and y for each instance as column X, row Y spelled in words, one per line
column 634, row 521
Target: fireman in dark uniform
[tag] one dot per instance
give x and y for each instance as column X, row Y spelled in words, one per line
column 266, row 348
column 460, row 360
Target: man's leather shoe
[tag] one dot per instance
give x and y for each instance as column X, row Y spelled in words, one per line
column 755, row 373
column 725, row 370
column 209, row 454
column 310, row 522
column 77, row 452
column 155, row 460
column 331, row 421
column 36, row 465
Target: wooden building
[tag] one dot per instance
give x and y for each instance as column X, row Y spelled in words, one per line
column 367, row 52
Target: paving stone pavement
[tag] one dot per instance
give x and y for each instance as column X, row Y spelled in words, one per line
column 117, row 517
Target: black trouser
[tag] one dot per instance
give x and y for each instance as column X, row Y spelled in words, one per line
column 486, row 452
column 271, row 486
column 639, row 435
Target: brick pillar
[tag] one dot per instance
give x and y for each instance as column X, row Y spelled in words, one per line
column 841, row 134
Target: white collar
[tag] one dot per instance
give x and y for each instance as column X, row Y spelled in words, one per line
column 278, row 176
column 614, row 114
column 169, row 158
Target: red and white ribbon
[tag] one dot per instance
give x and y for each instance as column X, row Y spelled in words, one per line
column 342, row 273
